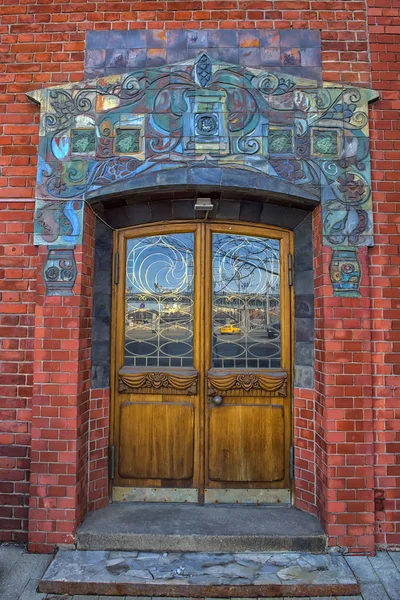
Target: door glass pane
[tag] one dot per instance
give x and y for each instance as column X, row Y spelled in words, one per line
column 246, row 326
column 159, row 301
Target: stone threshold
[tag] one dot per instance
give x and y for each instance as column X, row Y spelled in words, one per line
column 199, row 574
column 174, row 527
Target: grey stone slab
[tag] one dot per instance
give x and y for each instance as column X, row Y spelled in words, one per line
column 304, row 305
column 362, row 569
column 9, row 555
column 31, row 591
column 303, row 281
column 395, row 556
column 304, row 354
column 373, row 591
column 381, row 562
column 390, row 579
column 304, row 329
column 28, row 566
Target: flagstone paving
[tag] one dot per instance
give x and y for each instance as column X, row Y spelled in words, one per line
column 21, row 572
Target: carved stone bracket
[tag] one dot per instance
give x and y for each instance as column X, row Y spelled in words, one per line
column 269, row 384
column 152, row 382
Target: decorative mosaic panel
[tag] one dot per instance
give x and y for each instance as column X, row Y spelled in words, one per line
column 238, row 126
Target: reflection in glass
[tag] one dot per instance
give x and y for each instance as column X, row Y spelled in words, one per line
column 246, row 328
column 159, row 301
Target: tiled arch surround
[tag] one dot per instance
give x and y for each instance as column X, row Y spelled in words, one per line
column 68, row 162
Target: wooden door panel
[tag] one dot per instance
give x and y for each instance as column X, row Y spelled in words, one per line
column 202, row 309
column 247, row 443
column 156, row 440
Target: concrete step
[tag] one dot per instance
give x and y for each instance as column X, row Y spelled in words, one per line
column 193, row 528
column 199, row 574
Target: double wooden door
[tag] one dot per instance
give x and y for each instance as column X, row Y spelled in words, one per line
column 202, row 363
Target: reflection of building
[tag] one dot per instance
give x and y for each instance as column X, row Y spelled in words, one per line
column 248, row 311
column 158, row 310
column 141, row 317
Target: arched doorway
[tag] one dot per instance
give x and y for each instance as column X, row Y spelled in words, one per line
column 202, row 363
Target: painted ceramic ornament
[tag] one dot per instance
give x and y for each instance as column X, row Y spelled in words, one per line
column 298, row 136
column 345, row 272
column 60, row 272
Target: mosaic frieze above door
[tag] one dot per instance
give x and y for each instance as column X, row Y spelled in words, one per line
column 293, row 136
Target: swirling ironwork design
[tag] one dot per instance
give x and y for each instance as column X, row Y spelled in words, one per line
column 159, row 301
column 246, row 302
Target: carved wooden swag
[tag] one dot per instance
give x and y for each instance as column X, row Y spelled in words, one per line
column 269, row 384
column 158, row 382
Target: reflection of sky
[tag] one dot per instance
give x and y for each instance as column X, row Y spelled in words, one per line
column 245, row 265
column 161, row 264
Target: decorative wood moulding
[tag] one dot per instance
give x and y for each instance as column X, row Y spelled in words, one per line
column 269, row 384
column 156, row 382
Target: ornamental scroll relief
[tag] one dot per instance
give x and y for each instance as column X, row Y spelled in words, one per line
column 158, row 382
column 268, row 384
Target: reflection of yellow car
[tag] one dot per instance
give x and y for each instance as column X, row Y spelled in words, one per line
column 230, row 329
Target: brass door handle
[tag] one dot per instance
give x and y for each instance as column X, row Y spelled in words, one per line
column 217, row 400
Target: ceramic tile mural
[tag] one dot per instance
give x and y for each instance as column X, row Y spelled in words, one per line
column 295, row 136
column 310, row 140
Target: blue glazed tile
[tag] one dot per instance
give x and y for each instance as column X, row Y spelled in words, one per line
column 116, row 59
column 295, row 71
column 204, row 175
column 195, row 52
column 135, row 39
column 95, row 58
column 310, row 38
column 311, row 73
column 269, row 37
column 290, row 57
column 270, row 56
column 290, row 38
column 311, row 57
column 197, row 39
column 229, row 55
column 249, row 38
column 177, row 39
column 156, row 38
column 92, row 73
column 226, row 38
column 114, row 39
column 250, row 57
column 174, row 56
column 156, row 57
column 136, row 58
column 94, row 40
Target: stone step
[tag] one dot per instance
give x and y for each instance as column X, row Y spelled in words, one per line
column 193, row 528
column 199, row 574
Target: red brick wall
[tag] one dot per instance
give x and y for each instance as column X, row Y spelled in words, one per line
column 384, row 28
column 44, row 44
column 343, row 408
column 61, row 405
column 304, row 444
column 98, row 448
column 17, row 296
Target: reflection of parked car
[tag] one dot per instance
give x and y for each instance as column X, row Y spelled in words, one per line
column 230, row 329
column 272, row 333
